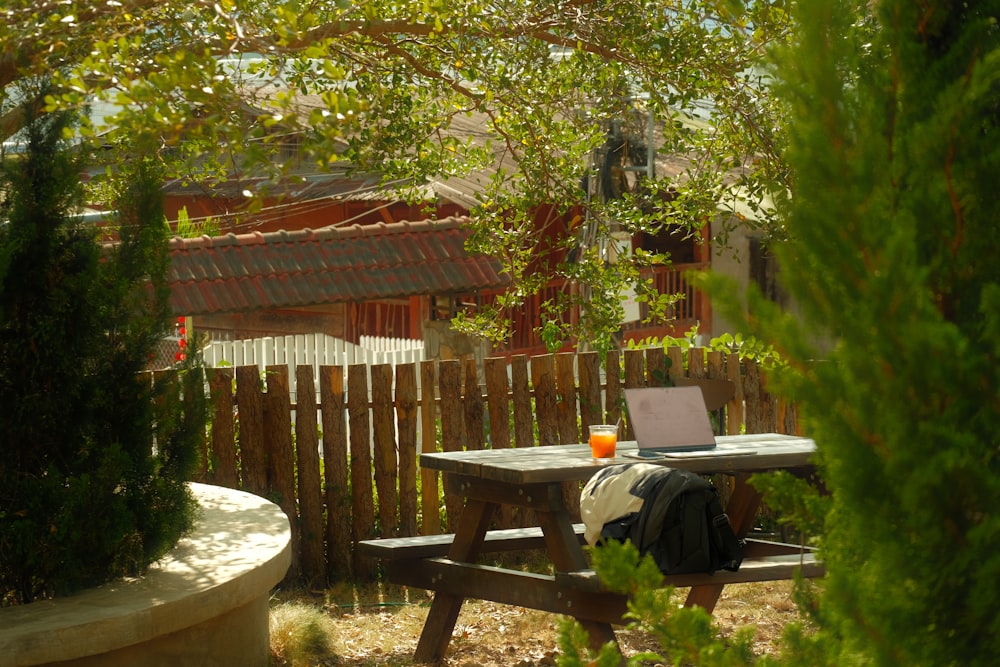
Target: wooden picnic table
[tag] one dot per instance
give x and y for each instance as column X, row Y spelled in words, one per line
column 532, row 478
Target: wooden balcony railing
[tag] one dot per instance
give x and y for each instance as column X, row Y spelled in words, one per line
column 693, row 308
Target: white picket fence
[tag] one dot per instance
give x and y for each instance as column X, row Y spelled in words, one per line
column 312, row 349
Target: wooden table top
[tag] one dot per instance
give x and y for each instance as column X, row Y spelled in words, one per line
column 560, row 463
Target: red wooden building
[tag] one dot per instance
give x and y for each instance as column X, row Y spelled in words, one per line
column 266, row 224
column 321, row 257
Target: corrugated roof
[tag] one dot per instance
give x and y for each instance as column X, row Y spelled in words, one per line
column 241, row 272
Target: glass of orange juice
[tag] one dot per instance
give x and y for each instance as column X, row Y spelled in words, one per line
column 603, row 438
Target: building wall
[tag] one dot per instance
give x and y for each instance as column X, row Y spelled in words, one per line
column 733, row 261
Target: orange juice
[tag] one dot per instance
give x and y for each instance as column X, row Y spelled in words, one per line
column 603, row 438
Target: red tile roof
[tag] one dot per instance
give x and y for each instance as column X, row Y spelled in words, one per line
column 310, row 267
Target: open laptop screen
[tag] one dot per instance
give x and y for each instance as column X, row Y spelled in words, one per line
column 669, row 418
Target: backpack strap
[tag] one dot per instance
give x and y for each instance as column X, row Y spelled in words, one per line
column 727, row 546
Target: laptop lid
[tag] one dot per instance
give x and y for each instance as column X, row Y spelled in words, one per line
column 669, row 418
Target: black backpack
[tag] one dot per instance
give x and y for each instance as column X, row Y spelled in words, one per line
column 681, row 522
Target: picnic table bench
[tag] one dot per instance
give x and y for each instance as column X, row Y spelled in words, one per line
column 532, row 478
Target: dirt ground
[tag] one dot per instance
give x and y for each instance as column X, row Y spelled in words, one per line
column 382, row 627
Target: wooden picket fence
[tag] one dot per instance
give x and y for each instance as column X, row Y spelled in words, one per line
column 347, row 469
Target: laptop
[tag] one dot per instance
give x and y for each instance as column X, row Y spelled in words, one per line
column 669, row 420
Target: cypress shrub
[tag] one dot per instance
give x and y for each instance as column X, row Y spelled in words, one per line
column 95, row 455
column 894, row 149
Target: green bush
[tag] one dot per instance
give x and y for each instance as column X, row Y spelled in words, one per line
column 687, row 635
column 95, row 457
column 892, row 260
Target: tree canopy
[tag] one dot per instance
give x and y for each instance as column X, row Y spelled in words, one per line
column 219, row 87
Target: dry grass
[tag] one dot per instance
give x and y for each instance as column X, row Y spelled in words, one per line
column 380, row 625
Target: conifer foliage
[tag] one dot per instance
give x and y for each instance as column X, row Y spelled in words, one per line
column 94, row 456
column 894, row 149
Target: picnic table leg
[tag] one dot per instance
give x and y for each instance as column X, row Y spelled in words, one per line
column 443, row 615
column 567, row 555
column 742, row 511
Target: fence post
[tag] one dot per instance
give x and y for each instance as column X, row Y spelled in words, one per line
column 452, row 429
column 498, row 404
column 589, row 364
column 613, row 396
column 307, row 458
column 676, row 356
column 406, row 435
column 635, row 376
column 220, row 381
column 252, row 454
column 635, row 369
column 569, row 432
column 660, row 371
column 362, row 502
column 475, row 432
column 755, row 419
column 524, row 418
column 567, row 400
column 696, row 362
column 430, row 489
column 280, row 453
column 734, row 410
column 498, row 401
column 385, row 448
column 335, row 472
column 543, row 379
